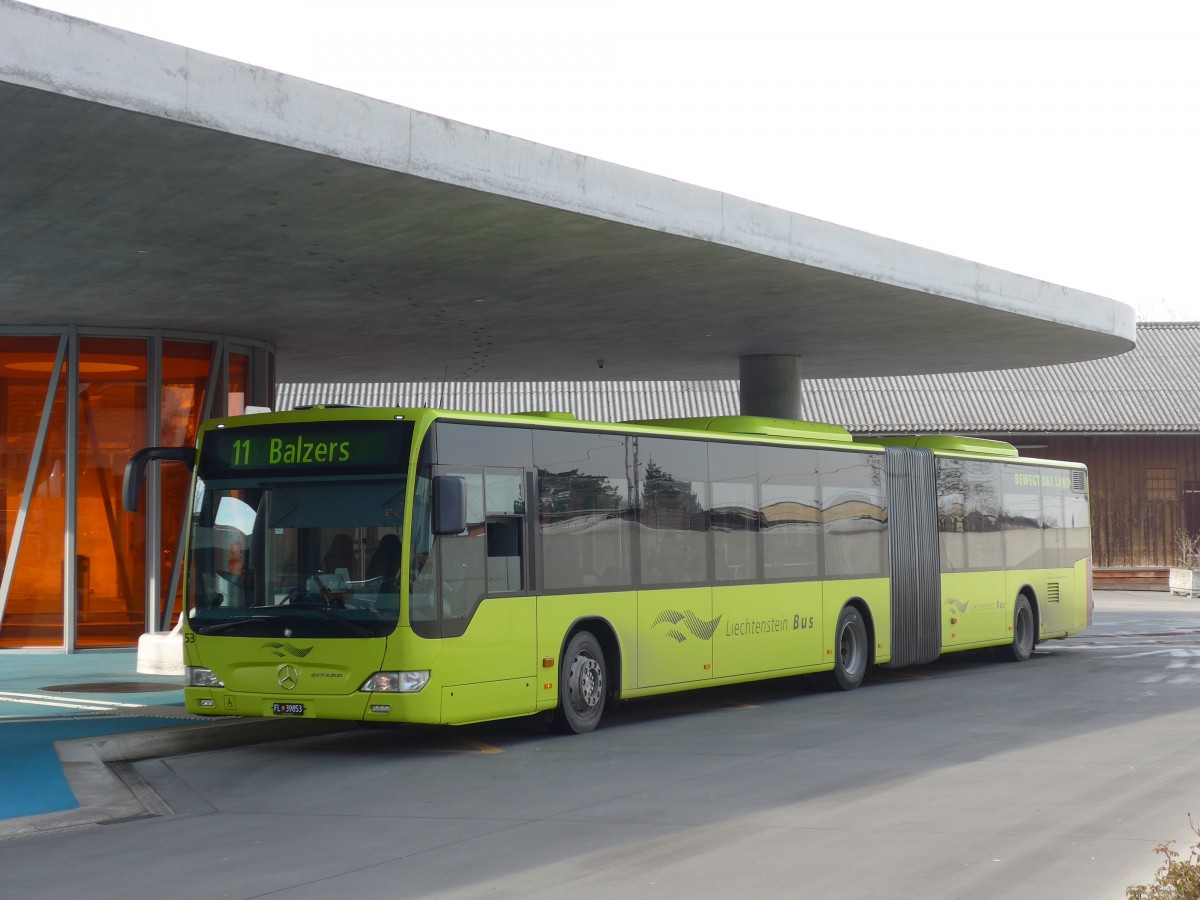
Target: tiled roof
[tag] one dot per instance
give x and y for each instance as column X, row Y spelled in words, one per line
column 1154, row 388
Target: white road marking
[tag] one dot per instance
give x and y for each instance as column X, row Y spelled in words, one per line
column 65, row 702
column 1176, row 659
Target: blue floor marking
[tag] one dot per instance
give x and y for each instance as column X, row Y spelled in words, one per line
column 31, row 779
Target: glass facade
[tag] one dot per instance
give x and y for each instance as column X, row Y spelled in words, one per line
column 33, row 392
column 110, row 544
column 186, row 371
column 75, row 404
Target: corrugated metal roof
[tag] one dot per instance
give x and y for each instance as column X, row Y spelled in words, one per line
column 598, row 401
column 1154, row 388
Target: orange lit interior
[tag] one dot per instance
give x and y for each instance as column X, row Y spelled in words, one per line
column 186, row 367
column 113, row 400
column 33, row 614
column 110, row 543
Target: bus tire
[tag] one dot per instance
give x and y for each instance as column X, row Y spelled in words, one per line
column 582, row 685
column 851, row 651
column 1024, row 632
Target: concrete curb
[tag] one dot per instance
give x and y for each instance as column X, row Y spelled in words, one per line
column 108, row 788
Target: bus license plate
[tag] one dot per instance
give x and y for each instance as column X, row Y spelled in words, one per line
column 287, row 709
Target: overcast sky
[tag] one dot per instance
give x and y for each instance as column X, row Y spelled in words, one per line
column 1054, row 138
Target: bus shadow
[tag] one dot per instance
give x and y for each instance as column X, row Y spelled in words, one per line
column 493, row 737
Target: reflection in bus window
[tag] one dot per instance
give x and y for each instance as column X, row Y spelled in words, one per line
column 985, row 541
column 585, row 511
column 1022, row 517
column 734, row 517
column 969, row 515
column 1078, row 540
column 854, row 514
column 790, row 514
column 952, row 510
column 505, row 508
column 1054, row 535
column 485, row 560
column 462, row 559
column 673, row 487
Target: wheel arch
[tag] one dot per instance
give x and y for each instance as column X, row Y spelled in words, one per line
column 604, row 632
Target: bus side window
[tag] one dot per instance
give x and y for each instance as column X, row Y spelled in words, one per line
column 462, row 578
column 1078, row 540
column 1054, row 532
column 488, row 558
column 585, row 510
column 504, row 554
column 504, row 491
column 734, row 518
column 790, row 513
column 854, row 514
column 1021, row 518
column 423, row 566
column 985, row 540
column 673, row 514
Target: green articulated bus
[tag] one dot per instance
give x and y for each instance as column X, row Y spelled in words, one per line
column 417, row 565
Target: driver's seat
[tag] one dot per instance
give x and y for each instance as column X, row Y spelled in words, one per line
column 385, row 563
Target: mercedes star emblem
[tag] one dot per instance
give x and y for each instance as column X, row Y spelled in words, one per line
column 287, row 676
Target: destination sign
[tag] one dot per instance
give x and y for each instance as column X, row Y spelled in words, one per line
column 1034, row 479
column 300, row 448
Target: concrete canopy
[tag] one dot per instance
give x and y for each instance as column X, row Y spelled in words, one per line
column 146, row 185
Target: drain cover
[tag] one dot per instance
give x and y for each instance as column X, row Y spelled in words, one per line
column 113, row 687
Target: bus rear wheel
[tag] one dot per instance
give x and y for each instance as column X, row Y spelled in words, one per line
column 1024, row 632
column 851, row 652
column 582, row 685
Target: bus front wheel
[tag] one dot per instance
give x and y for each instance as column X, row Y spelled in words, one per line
column 851, row 652
column 1024, row 632
column 582, row 685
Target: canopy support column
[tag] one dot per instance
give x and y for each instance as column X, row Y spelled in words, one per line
column 770, row 386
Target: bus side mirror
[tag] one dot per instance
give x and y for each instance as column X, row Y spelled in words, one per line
column 449, row 504
column 135, row 470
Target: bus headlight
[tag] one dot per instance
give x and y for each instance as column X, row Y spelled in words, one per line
column 395, row 682
column 194, row 676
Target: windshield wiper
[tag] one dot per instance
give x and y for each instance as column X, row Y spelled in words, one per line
column 228, row 624
column 294, row 612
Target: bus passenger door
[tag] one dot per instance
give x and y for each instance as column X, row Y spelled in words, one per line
column 675, row 615
column 488, row 622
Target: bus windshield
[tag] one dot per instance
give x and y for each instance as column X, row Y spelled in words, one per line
column 320, row 558
column 297, row 529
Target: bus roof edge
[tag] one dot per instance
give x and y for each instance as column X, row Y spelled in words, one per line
column 950, row 443
column 755, row 425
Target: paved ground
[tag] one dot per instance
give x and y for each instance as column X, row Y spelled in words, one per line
column 108, row 712
column 51, row 697
column 967, row 778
